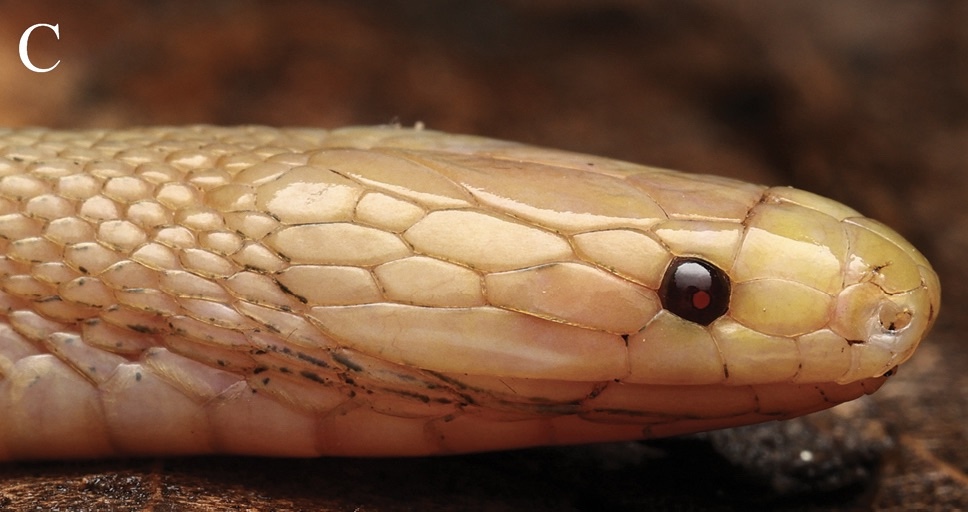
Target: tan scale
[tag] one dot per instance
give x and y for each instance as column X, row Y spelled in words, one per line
column 389, row 291
column 424, row 281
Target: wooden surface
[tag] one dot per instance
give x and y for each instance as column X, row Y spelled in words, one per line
column 862, row 101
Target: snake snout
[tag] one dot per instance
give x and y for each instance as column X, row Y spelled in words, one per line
column 889, row 303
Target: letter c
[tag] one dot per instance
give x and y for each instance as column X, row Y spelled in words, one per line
column 23, row 47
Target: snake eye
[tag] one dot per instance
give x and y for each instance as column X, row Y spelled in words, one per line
column 695, row 290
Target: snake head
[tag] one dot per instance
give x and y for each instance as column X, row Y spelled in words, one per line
column 776, row 303
column 789, row 287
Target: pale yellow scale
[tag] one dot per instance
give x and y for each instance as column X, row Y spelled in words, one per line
column 390, row 291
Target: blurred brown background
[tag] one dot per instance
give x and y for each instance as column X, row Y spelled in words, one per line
column 862, row 101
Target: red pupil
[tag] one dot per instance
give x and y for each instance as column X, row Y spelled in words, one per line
column 701, row 299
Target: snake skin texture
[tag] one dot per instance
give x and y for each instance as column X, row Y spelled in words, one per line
column 383, row 291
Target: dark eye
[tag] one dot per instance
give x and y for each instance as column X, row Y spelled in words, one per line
column 695, row 290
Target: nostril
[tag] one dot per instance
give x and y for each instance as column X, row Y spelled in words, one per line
column 894, row 318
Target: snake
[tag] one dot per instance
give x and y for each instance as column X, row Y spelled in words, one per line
column 398, row 291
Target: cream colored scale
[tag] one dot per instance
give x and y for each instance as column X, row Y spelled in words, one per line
column 389, row 291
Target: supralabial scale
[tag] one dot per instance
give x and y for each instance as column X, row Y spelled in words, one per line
column 392, row 291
